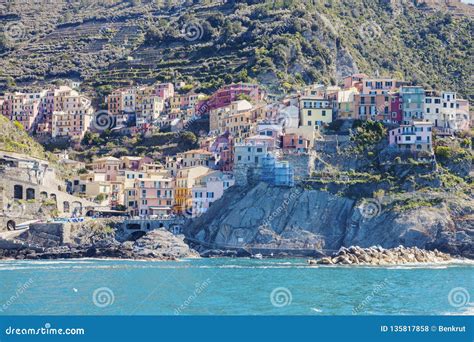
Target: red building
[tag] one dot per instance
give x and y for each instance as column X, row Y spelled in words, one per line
column 229, row 93
column 395, row 108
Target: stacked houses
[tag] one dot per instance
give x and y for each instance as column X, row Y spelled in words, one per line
column 250, row 137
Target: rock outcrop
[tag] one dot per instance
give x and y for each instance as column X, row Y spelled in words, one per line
column 97, row 240
column 377, row 255
column 284, row 217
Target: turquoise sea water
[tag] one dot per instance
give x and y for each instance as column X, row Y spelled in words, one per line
column 230, row 287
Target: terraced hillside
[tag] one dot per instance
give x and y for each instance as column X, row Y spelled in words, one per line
column 282, row 44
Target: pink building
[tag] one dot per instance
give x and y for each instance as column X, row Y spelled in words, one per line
column 164, row 90
column 153, row 196
column 108, row 165
column 354, row 81
column 295, row 142
column 414, row 137
column 134, row 163
column 208, row 189
column 222, row 149
column 229, row 93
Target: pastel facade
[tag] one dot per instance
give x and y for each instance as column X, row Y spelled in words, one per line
column 344, row 103
column 295, row 142
column 149, row 109
column 414, row 137
column 164, row 90
column 218, row 118
column 355, row 80
column 373, row 106
column 185, row 180
column 196, row 158
column 379, row 85
column 108, row 165
column 208, row 189
column 433, row 108
column 315, row 111
column 223, row 151
column 249, row 154
column 151, row 196
column 230, row 93
column 413, row 100
column 59, row 111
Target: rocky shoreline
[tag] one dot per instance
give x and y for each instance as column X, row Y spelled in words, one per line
column 377, row 255
column 158, row 244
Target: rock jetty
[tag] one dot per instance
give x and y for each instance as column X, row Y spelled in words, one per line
column 377, row 255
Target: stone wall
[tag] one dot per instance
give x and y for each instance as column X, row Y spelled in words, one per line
column 302, row 163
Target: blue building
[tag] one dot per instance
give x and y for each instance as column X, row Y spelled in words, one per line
column 275, row 172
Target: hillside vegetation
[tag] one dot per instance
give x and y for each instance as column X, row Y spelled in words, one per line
column 282, row 44
column 15, row 139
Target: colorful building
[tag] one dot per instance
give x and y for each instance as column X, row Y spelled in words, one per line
column 315, row 111
column 414, row 137
column 295, row 142
column 151, row 196
column 208, row 189
column 229, row 93
column 413, row 101
column 185, row 180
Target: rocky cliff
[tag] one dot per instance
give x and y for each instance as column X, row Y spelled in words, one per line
column 279, row 217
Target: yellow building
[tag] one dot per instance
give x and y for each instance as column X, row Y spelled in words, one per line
column 185, row 180
column 315, row 111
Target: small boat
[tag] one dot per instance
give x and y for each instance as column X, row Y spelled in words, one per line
column 257, row 256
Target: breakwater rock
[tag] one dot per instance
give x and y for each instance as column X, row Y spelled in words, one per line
column 355, row 255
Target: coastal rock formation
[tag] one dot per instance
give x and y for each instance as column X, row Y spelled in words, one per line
column 284, row 217
column 94, row 239
column 160, row 243
column 377, row 255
